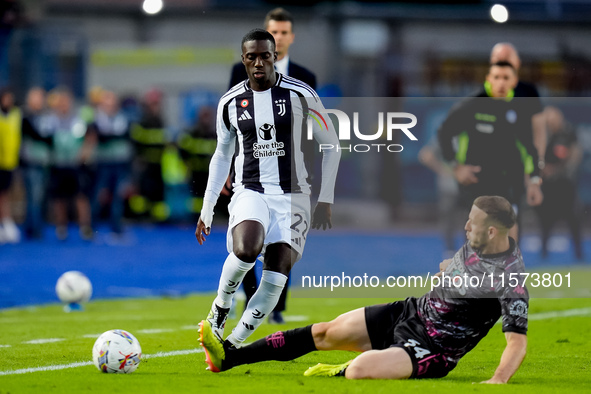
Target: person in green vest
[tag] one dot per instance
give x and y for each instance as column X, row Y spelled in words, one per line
column 69, row 153
column 10, row 140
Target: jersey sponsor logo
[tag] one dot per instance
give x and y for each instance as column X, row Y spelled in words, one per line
column 245, row 116
column 271, row 149
column 281, row 105
column 267, row 132
column 244, row 103
column 518, row 308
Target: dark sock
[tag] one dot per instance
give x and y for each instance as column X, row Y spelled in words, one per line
column 281, row 346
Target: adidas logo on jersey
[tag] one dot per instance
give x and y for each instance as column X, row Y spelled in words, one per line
column 245, row 116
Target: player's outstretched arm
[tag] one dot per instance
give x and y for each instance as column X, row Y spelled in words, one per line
column 322, row 216
column 219, row 167
column 511, row 359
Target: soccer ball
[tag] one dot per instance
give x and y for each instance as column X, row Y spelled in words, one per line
column 73, row 287
column 116, row 351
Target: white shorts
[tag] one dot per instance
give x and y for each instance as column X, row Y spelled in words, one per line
column 285, row 217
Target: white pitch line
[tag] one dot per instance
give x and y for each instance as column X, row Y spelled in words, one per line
column 44, row 340
column 5, row 345
column 48, row 368
column 565, row 313
column 173, row 353
column 155, row 330
column 85, row 363
column 296, row 318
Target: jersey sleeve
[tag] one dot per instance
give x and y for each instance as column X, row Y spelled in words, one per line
column 221, row 161
column 224, row 130
column 514, row 302
column 324, row 133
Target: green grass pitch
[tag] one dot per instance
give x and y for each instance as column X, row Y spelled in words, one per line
column 558, row 360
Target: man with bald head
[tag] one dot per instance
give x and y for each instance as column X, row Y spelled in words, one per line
column 506, row 52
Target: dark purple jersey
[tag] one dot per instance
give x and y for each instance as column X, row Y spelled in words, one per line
column 475, row 290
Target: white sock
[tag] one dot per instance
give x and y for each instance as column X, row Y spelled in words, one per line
column 260, row 305
column 232, row 275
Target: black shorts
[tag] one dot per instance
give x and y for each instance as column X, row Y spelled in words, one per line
column 398, row 325
column 5, row 180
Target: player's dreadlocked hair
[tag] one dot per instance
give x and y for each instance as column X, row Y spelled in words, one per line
column 258, row 35
column 499, row 210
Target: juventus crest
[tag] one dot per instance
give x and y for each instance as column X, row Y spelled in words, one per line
column 281, row 105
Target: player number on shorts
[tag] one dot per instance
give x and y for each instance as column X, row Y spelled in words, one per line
column 419, row 351
column 296, row 226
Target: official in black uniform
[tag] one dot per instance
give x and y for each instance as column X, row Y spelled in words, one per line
column 494, row 142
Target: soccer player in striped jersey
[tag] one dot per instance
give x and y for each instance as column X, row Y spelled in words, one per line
column 270, row 210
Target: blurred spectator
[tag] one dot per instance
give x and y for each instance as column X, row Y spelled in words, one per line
column 447, row 193
column 196, row 147
column 35, row 159
column 10, row 140
column 69, row 154
column 109, row 133
column 561, row 200
column 149, row 138
column 87, row 111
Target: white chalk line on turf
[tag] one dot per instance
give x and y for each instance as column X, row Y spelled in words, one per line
column 85, row 363
column 44, row 340
column 565, row 313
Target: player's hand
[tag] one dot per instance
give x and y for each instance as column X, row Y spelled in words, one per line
column 465, row 174
column 534, row 195
column 443, row 265
column 201, row 231
column 204, row 223
column 322, row 216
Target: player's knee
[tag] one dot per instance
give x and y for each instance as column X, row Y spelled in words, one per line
column 248, row 255
column 357, row 370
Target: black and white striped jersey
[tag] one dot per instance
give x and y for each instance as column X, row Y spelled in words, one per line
column 271, row 130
